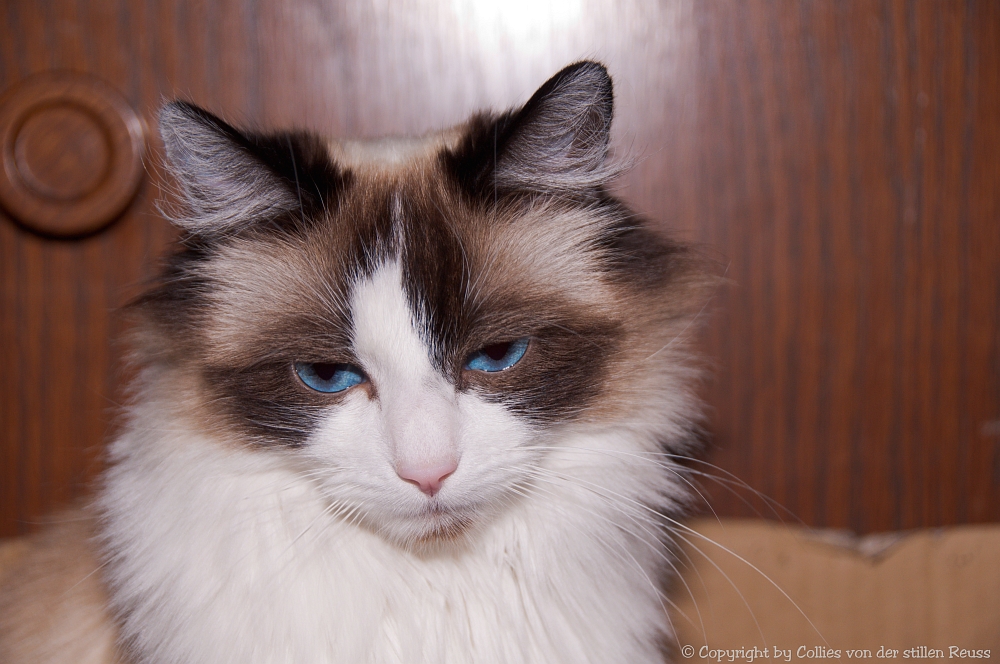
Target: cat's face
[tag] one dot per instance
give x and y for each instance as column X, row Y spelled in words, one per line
column 413, row 324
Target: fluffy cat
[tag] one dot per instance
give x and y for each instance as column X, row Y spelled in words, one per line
column 399, row 401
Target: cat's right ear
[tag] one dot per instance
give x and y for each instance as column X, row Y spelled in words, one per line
column 224, row 185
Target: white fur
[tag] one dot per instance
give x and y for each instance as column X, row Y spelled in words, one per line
column 222, row 553
column 418, row 418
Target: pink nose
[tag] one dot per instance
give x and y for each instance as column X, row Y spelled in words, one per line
column 428, row 478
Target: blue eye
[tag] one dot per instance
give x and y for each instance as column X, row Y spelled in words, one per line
column 326, row 377
column 497, row 357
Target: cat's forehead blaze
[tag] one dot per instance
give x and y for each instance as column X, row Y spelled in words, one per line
column 470, row 276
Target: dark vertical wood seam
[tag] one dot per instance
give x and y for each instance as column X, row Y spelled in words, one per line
column 761, row 449
column 82, row 338
column 109, row 245
column 742, row 400
column 970, row 71
column 47, row 31
column 890, row 133
column 855, row 478
column 23, row 476
column 821, row 464
column 46, row 435
column 87, row 40
column 254, row 96
column 213, row 26
column 915, row 483
column 127, row 39
column 794, row 232
column 152, row 30
column 994, row 360
column 17, row 34
column 995, row 350
column 182, row 46
column 932, row 454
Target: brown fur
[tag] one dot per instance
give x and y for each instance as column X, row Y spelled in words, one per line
column 52, row 601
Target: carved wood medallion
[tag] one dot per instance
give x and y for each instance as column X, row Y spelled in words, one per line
column 72, row 152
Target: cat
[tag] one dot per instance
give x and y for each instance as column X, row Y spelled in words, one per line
column 397, row 401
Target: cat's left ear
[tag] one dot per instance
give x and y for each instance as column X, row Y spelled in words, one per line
column 224, row 183
column 555, row 143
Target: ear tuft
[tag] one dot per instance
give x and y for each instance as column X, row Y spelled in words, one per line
column 224, row 186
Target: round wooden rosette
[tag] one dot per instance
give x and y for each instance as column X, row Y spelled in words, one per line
column 72, row 154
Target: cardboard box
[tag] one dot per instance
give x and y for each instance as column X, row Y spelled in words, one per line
column 822, row 594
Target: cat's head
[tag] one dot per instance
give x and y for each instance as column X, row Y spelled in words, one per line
column 417, row 322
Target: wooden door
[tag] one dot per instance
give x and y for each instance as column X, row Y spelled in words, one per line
column 838, row 160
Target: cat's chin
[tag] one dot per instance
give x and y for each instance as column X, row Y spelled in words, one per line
column 430, row 528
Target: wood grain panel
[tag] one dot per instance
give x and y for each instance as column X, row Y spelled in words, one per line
column 838, row 161
column 856, row 176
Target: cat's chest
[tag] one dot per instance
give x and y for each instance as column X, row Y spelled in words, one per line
column 267, row 574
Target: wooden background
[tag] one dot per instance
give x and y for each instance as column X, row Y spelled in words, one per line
column 838, row 159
